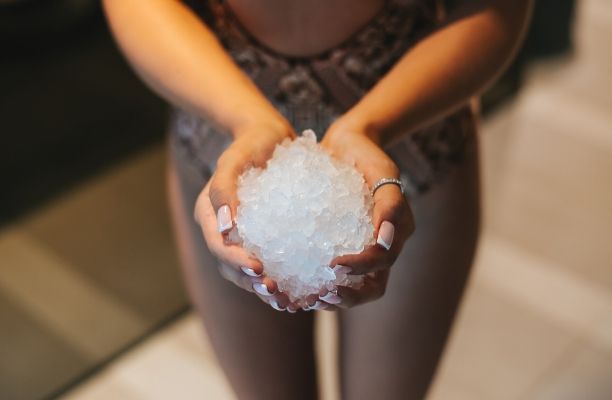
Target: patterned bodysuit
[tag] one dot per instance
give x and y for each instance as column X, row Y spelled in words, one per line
column 313, row 91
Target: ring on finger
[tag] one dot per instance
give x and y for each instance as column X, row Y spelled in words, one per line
column 385, row 181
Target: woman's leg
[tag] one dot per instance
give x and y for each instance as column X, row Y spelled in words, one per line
column 390, row 348
column 265, row 354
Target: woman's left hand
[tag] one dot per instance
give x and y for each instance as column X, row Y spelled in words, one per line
column 391, row 216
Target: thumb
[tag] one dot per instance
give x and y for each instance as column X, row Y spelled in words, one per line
column 223, row 188
column 390, row 211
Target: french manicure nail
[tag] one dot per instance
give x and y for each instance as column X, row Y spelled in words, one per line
column 224, row 218
column 250, row 271
column 275, row 305
column 330, row 298
column 343, row 269
column 385, row 234
column 319, row 305
column 262, row 289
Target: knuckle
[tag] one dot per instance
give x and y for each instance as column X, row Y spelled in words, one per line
column 394, row 208
column 397, row 207
column 387, row 165
column 393, row 169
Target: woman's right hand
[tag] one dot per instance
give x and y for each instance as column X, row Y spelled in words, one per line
column 217, row 203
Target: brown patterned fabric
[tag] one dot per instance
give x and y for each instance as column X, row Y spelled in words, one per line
column 313, row 91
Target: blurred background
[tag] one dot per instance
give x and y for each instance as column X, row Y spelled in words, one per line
column 91, row 302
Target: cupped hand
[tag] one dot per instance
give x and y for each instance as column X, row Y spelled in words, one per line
column 216, row 208
column 391, row 216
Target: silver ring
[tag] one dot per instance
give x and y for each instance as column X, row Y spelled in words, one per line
column 384, row 181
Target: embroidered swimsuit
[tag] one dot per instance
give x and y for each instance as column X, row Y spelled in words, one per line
column 313, row 91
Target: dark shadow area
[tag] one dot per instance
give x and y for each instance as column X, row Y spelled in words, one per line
column 70, row 105
column 549, row 35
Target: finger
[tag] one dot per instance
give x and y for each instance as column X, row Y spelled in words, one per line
column 237, row 277
column 267, row 287
column 311, row 299
column 391, row 214
column 320, row 305
column 223, row 187
column 373, row 258
column 373, row 288
column 390, row 208
column 279, row 301
column 233, row 256
column 393, row 222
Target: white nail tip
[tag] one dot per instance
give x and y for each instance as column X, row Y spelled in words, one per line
column 224, row 218
column 331, row 298
column 262, row 289
column 381, row 242
column 319, row 305
column 249, row 271
column 225, row 227
column 274, row 304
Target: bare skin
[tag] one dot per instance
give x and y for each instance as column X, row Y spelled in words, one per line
column 303, row 28
column 417, row 299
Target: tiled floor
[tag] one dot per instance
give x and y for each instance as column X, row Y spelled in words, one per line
column 85, row 276
column 537, row 319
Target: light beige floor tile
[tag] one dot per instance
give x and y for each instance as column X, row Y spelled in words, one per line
column 109, row 389
column 562, row 297
column 326, row 328
column 552, row 192
column 115, row 229
column 498, row 348
column 586, row 374
column 189, row 333
column 449, row 388
column 171, row 365
column 55, row 294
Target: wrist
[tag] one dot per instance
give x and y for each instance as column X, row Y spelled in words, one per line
column 348, row 124
column 272, row 125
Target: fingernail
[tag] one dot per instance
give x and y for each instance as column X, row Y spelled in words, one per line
column 319, row 305
column 276, row 306
column 250, row 272
column 291, row 310
column 330, row 298
column 342, row 269
column 262, row 289
column 224, row 218
column 385, row 234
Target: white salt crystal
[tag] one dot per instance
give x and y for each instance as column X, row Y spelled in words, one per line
column 304, row 209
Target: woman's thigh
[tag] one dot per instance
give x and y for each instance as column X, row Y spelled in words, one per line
column 391, row 347
column 265, row 354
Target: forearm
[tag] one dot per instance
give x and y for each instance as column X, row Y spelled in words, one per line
column 180, row 58
column 443, row 71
